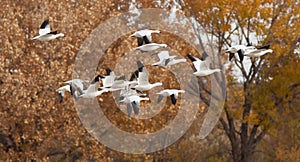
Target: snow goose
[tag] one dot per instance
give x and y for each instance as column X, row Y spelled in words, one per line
column 173, row 93
column 77, row 84
column 128, row 91
column 108, row 80
column 129, row 85
column 45, row 33
column 202, row 67
column 91, row 91
column 144, row 36
column 143, row 81
column 61, row 92
column 133, row 102
column 240, row 50
column 119, row 85
column 150, row 47
column 166, row 60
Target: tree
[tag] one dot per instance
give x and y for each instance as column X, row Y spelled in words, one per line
column 270, row 22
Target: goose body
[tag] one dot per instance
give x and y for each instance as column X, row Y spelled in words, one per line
column 119, row 85
column 108, row 80
column 128, row 91
column 45, row 33
column 202, row 67
column 239, row 50
column 144, row 36
column 173, row 93
column 174, row 61
column 250, row 51
column 166, row 60
column 143, row 81
column 150, row 47
column 206, row 72
column 93, row 94
column 91, row 91
column 77, row 84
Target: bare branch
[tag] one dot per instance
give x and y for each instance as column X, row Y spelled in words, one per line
column 260, row 136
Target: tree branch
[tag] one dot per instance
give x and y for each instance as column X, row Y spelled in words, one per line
column 260, row 136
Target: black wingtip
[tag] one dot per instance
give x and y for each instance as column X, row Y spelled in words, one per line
column 241, row 55
column 129, row 109
column 44, row 24
column 146, row 40
column 60, row 98
column 134, row 75
column 135, row 107
column 140, row 65
column 167, row 61
column 140, row 41
column 231, row 55
column 108, row 71
column 96, row 79
column 191, row 57
column 173, row 99
column 72, row 90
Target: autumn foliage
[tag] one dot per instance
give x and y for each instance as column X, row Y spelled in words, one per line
column 261, row 115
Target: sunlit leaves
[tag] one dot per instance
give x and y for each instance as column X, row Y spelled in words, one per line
column 276, row 22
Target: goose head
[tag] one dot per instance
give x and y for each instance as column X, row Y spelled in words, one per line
column 60, row 35
column 163, row 45
column 181, row 91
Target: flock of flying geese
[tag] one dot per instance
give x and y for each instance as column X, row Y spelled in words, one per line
column 132, row 90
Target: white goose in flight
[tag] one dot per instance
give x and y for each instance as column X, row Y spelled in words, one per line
column 250, row 51
column 173, row 93
column 240, row 50
column 45, row 33
column 119, row 85
column 150, row 47
column 202, row 67
column 166, row 60
column 108, row 80
column 143, row 81
column 144, row 36
column 92, row 90
column 77, row 84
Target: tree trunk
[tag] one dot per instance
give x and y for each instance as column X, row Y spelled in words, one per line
column 246, row 145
